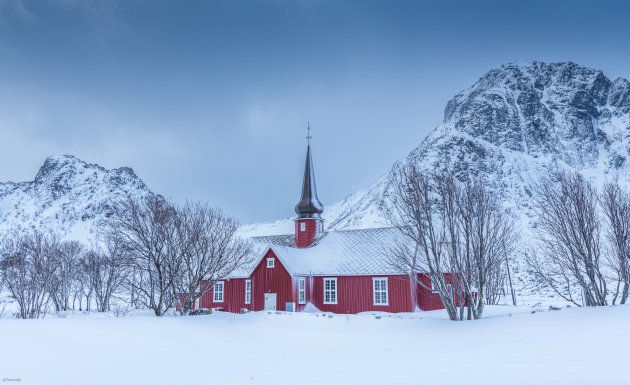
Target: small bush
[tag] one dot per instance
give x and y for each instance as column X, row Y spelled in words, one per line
column 119, row 309
column 200, row 312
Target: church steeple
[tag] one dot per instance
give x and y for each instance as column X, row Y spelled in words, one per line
column 308, row 225
column 309, row 205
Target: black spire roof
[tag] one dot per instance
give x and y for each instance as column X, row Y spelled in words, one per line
column 309, row 205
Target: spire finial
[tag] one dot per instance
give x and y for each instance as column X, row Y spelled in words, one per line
column 308, row 133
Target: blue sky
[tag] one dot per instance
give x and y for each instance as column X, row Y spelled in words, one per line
column 209, row 100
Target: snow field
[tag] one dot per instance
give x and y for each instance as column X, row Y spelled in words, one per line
column 510, row 346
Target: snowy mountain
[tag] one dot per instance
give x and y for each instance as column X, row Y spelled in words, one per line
column 67, row 196
column 515, row 124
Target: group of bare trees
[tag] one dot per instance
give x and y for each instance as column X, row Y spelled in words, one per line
column 178, row 251
column 583, row 239
column 149, row 253
column 40, row 271
column 455, row 232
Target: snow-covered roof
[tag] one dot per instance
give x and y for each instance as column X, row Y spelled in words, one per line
column 348, row 252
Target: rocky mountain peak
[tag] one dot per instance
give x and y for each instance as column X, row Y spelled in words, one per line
column 514, row 125
column 541, row 109
column 56, row 165
column 67, row 196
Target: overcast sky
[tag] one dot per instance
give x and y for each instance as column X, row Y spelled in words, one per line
column 209, row 100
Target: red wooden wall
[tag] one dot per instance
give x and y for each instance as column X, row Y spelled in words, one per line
column 313, row 227
column 429, row 300
column 271, row 280
column 354, row 293
column 233, row 297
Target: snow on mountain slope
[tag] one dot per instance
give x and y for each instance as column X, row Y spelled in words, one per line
column 366, row 203
column 514, row 125
column 67, row 196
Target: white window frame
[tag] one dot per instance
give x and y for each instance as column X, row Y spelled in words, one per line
column 333, row 293
column 380, row 292
column 271, row 263
column 301, row 290
column 248, row 291
column 218, row 295
column 302, row 226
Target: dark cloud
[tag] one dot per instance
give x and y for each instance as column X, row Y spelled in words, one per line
column 209, row 99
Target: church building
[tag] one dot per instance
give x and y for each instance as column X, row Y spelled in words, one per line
column 335, row 271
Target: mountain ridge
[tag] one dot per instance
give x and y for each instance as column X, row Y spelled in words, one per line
column 67, row 196
column 516, row 123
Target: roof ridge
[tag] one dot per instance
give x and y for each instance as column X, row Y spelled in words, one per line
column 330, row 231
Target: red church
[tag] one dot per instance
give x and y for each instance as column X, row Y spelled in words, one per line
column 312, row 269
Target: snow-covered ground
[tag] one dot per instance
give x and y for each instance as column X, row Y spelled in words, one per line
column 510, row 346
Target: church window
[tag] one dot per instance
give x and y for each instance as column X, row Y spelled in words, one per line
column 248, row 291
column 379, row 286
column 218, row 291
column 302, row 290
column 330, row 290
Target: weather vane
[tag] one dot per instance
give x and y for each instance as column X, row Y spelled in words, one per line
column 308, row 132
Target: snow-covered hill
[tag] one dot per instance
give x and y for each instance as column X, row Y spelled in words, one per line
column 515, row 124
column 67, row 196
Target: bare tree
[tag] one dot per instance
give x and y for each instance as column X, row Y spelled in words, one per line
column 26, row 269
column 492, row 236
column 480, row 235
column 65, row 273
column 146, row 228
column 616, row 206
column 451, row 197
column 208, row 248
column 81, row 288
column 460, row 236
column 552, row 275
column 569, row 253
column 414, row 209
column 106, row 267
column 509, row 274
column 3, row 305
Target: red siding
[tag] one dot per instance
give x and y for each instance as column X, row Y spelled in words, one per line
column 427, row 299
column 271, row 280
column 355, row 294
column 233, row 297
column 313, row 227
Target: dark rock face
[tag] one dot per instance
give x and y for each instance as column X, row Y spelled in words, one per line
column 619, row 95
column 67, row 196
column 540, row 109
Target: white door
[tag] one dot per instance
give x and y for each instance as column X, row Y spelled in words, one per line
column 270, row 301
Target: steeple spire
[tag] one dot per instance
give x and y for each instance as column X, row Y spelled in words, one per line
column 309, row 205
